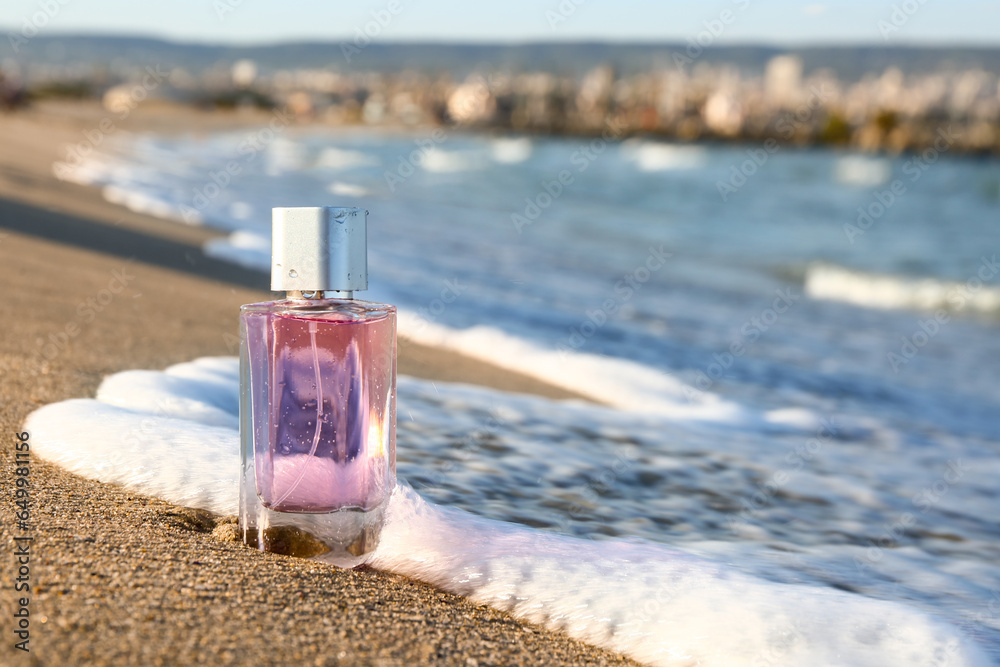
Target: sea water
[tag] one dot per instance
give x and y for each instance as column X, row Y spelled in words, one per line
column 637, row 252
column 801, row 354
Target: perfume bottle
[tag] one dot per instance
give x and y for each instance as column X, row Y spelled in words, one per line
column 317, row 395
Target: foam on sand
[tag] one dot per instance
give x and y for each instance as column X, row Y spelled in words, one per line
column 621, row 383
column 172, row 434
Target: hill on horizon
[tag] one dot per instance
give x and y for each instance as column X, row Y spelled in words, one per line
column 849, row 62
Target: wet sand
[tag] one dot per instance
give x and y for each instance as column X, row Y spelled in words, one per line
column 118, row 578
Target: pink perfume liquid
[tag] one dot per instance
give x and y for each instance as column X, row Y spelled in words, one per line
column 330, row 412
column 320, row 393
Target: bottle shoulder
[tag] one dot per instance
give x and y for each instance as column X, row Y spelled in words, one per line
column 345, row 308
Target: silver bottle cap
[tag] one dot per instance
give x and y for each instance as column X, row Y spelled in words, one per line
column 319, row 248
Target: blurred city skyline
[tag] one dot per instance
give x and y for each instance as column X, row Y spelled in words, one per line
column 780, row 22
column 704, row 74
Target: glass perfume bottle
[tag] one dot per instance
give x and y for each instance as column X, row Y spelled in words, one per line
column 317, row 395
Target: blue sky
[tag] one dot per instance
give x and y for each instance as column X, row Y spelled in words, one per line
column 769, row 21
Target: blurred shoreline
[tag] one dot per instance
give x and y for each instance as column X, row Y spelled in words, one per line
column 869, row 99
column 925, row 141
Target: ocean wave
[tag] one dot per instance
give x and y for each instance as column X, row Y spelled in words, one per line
column 861, row 170
column 511, row 151
column 621, row 383
column 248, row 249
column 342, row 158
column 440, row 161
column 283, row 154
column 94, row 170
column 141, row 201
column 347, row 189
column 174, row 435
column 888, row 292
column 655, row 156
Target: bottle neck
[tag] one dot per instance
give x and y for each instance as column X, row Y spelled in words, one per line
column 306, row 295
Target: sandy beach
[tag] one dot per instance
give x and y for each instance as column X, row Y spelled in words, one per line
column 117, row 578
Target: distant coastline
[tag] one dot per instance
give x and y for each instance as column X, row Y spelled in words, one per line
column 868, row 98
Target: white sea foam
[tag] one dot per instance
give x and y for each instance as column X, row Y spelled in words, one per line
column 440, row 161
column 617, row 382
column 835, row 283
column 90, row 171
column 285, row 154
column 241, row 210
column 249, row 249
column 341, row 158
column 172, row 434
column 650, row 156
column 861, row 170
column 658, row 605
column 141, row 201
column 347, row 189
column 511, row 151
